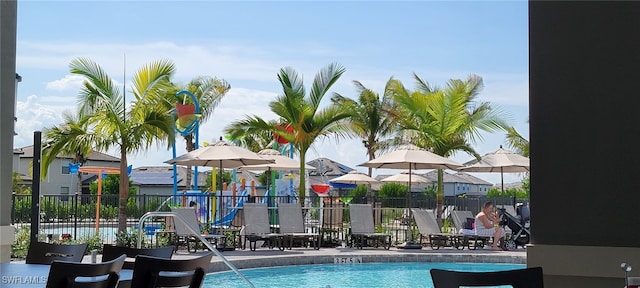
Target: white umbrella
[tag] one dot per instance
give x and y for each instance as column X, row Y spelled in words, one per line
column 354, row 177
column 280, row 162
column 413, row 158
column 406, row 178
column 221, row 154
column 501, row 161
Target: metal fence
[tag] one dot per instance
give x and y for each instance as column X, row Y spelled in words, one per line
column 85, row 216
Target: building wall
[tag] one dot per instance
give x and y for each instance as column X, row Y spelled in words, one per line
column 584, row 101
column 154, row 190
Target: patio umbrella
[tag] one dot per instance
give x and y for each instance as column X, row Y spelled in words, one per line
column 222, row 155
column 406, row 178
column 354, row 177
column 413, row 158
column 280, row 163
column 501, row 160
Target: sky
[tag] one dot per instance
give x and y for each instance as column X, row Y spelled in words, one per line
column 246, row 43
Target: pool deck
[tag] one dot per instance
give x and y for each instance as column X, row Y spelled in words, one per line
column 265, row 257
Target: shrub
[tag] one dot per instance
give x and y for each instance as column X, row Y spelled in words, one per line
column 128, row 238
column 359, row 192
column 94, row 242
column 20, row 246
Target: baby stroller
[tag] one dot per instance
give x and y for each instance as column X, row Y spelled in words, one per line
column 519, row 226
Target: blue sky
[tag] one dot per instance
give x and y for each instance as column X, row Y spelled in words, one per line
column 247, row 42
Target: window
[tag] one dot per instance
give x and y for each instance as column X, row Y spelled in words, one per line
column 64, row 193
column 65, row 168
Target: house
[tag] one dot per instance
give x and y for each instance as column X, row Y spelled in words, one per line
column 59, row 179
column 158, row 180
column 460, row 183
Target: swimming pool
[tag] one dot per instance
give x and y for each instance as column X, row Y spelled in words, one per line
column 407, row 274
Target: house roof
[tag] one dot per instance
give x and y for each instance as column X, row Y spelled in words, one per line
column 163, row 175
column 328, row 167
column 472, row 179
column 27, row 152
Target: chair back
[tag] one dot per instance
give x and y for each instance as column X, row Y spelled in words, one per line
column 333, row 214
column 151, row 271
column 256, row 218
column 188, row 214
column 426, row 221
column 361, row 216
column 110, row 252
column 519, row 278
column 45, row 253
column 459, row 217
column 63, row 274
column 290, row 218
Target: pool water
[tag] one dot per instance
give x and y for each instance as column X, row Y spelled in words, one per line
column 347, row 275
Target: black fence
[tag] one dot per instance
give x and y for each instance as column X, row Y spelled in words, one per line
column 85, row 216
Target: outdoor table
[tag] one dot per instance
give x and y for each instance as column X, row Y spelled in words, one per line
column 21, row 275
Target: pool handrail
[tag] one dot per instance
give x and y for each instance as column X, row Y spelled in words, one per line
column 195, row 233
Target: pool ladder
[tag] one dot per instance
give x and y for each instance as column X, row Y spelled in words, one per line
column 195, row 233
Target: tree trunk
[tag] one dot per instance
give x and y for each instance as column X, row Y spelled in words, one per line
column 124, row 191
column 303, row 185
column 439, row 198
column 371, row 157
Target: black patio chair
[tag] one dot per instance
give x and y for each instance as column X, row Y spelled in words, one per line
column 157, row 272
column 110, row 252
column 64, row 274
column 45, row 253
column 519, row 278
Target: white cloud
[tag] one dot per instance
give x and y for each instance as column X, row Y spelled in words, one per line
column 33, row 116
column 69, row 82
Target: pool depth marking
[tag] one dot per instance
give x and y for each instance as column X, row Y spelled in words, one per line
column 347, row 260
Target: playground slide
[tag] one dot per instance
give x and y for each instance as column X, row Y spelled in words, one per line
column 226, row 219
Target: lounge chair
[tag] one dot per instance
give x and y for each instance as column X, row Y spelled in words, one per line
column 292, row 226
column 474, row 241
column 188, row 214
column 362, row 228
column 257, row 227
column 429, row 229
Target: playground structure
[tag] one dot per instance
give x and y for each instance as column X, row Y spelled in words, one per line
column 220, row 209
column 187, row 123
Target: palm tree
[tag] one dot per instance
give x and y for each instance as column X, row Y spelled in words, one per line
column 368, row 120
column 308, row 120
column 71, row 138
column 127, row 130
column 446, row 120
column 254, row 141
column 517, row 142
column 209, row 92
